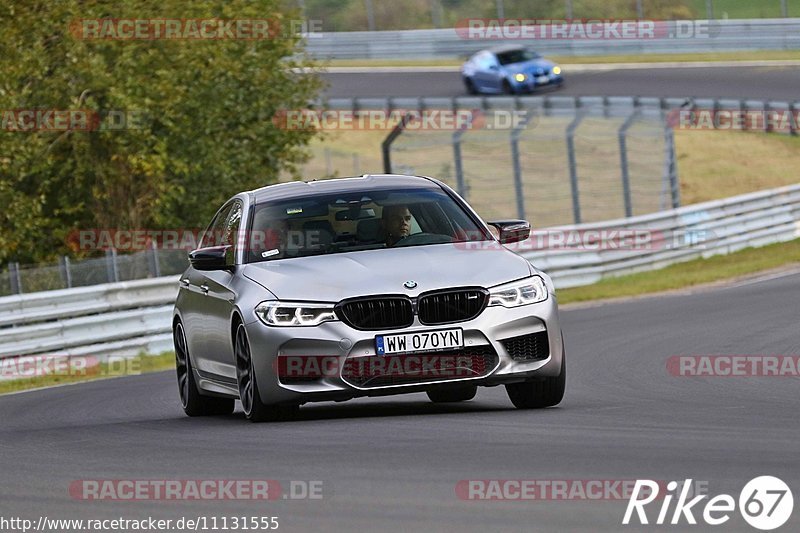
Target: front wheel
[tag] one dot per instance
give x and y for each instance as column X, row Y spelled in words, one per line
column 193, row 403
column 254, row 409
column 542, row 393
column 470, row 86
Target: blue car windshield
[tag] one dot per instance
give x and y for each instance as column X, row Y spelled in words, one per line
column 358, row 220
column 516, row 56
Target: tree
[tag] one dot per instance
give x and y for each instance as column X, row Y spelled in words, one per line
column 177, row 126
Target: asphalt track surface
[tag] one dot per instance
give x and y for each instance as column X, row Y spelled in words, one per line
column 393, row 464
column 775, row 83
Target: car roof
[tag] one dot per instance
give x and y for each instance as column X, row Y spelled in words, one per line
column 502, row 48
column 326, row 186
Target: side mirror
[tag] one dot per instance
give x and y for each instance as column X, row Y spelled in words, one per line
column 512, row 230
column 211, row 258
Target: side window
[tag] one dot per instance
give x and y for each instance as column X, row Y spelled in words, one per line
column 230, row 230
column 213, row 234
column 486, row 60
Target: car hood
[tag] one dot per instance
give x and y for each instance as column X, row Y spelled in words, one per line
column 331, row 278
column 530, row 67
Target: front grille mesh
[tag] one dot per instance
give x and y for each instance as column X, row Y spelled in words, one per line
column 528, row 347
column 387, row 312
column 386, row 371
column 446, row 307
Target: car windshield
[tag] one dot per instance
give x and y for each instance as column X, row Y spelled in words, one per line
column 362, row 220
column 516, row 56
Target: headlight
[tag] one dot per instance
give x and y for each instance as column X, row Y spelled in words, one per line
column 520, row 77
column 523, row 292
column 294, row 313
column 556, row 70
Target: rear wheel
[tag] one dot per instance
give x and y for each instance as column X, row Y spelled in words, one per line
column 254, row 409
column 194, row 404
column 460, row 394
column 541, row 393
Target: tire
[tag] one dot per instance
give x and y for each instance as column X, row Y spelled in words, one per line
column 194, row 403
column 460, row 394
column 470, row 86
column 538, row 394
column 254, row 409
column 507, row 89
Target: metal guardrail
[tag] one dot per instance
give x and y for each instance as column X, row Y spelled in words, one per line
column 676, row 37
column 128, row 318
column 110, row 319
column 690, row 232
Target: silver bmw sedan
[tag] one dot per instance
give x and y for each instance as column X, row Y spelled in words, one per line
column 374, row 285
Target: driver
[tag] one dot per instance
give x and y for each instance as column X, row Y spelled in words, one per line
column 396, row 223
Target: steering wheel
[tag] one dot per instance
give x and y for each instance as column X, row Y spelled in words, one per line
column 424, row 238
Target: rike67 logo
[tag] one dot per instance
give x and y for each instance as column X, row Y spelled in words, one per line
column 765, row 503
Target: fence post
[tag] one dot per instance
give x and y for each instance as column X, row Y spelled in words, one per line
column 152, row 260
column 328, row 163
column 639, row 10
column 371, row 15
column 573, row 165
column 515, row 134
column 709, row 10
column 14, row 278
column 623, row 161
column 784, row 9
column 671, row 167
column 112, row 273
column 386, row 145
column 436, row 13
column 569, row 8
column 461, row 187
column 66, row 275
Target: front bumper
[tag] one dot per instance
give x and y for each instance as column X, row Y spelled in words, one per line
column 338, row 344
column 534, row 82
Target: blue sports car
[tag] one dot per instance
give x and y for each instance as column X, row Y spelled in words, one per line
column 509, row 69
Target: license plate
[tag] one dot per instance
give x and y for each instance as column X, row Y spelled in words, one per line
column 421, row 341
column 542, row 79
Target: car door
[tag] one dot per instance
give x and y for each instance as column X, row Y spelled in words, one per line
column 220, row 298
column 488, row 76
column 194, row 298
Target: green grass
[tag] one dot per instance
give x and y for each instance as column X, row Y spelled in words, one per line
column 760, row 55
column 688, row 274
column 141, row 364
column 745, row 9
